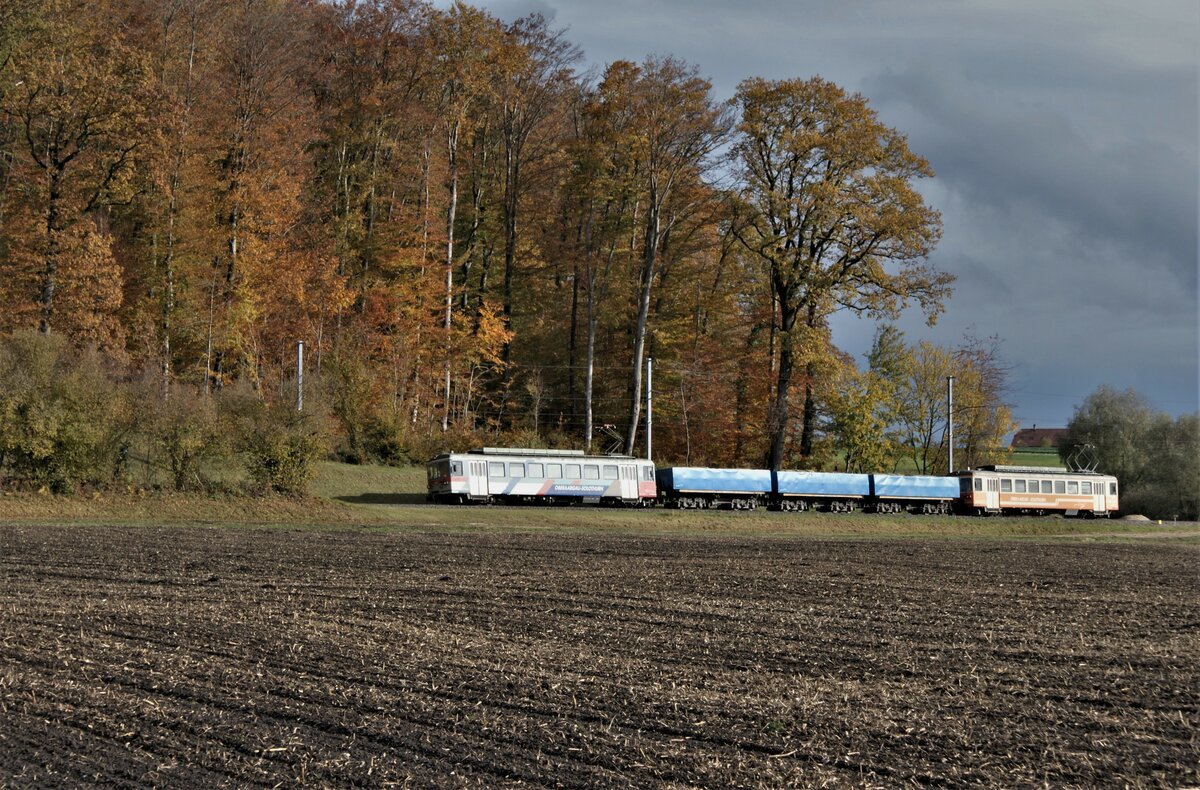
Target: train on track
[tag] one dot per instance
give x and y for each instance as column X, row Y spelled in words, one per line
column 495, row 475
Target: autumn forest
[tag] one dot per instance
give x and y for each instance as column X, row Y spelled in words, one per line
column 476, row 239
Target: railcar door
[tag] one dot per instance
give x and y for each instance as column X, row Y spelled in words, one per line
column 629, row 481
column 477, row 479
column 992, row 486
column 1099, row 503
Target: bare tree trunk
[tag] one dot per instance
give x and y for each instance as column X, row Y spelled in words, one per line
column 778, row 418
column 452, row 145
column 649, row 256
column 589, row 373
column 173, row 182
column 807, row 428
column 50, row 272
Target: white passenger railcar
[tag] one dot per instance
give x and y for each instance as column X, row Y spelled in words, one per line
column 553, row 477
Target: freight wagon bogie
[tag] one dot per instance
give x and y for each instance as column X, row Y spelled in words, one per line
column 700, row 500
column 924, row 508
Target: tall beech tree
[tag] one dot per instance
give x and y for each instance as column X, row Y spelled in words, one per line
column 533, row 96
column 78, row 96
column 179, row 41
column 828, row 204
column 468, row 46
column 598, row 207
column 679, row 124
column 258, row 118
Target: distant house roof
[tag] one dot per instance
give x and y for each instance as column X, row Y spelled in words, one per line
column 1038, row 437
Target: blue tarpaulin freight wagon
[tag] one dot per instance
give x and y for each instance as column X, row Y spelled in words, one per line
column 694, row 479
column 913, row 487
column 823, row 484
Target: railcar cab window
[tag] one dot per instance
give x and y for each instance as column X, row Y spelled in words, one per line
column 456, row 468
column 535, row 470
column 495, row 469
column 554, row 470
column 979, row 484
column 1112, row 489
column 591, row 472
column 648, row 473
column 573, row 471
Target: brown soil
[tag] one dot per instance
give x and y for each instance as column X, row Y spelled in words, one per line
column 256, row 657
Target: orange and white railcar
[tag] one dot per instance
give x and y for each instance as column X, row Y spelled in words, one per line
column 1037, row 490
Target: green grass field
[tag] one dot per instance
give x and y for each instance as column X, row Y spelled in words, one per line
column 1047, row 457
column 387, row 498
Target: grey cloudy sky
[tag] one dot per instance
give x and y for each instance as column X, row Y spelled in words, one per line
column 1064, row 134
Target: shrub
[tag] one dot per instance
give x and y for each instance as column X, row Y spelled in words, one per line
column 351, row 396
column 281, row 446
column 188, row 432
column 388, row 441
column 63, row 421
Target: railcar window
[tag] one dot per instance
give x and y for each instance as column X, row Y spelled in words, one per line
column 1019, row 486
column 572, row 471
column 591, row 472
column 1085, row 488
column 610, row 471
column 1047, row 487
column 1033, row 486
column 1060, row 486
column 1112, row 489
column 495, row 469
column 1072, row 486
column 1006, row 485
column 536, row 470
column 516, row 470
column 979, row 484
column 648, row 473
column 456, row 468
column 554, row 470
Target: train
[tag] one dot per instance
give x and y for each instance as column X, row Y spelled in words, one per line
column 498, row 475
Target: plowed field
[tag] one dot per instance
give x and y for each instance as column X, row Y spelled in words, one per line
column 204, row 657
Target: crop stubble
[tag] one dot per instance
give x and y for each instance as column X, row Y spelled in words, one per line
column 238, row 656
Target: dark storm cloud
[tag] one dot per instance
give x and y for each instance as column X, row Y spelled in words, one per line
column 1135, row 199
